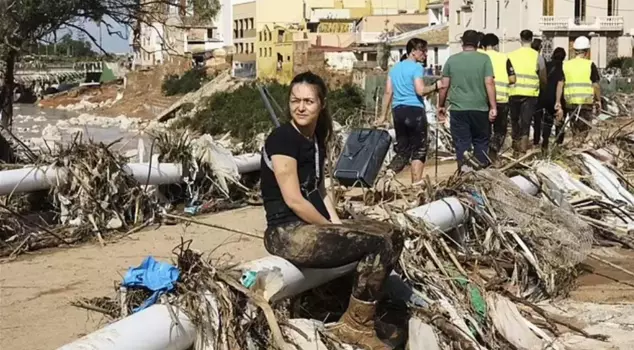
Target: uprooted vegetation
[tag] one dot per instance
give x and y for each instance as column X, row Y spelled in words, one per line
column 97, row 194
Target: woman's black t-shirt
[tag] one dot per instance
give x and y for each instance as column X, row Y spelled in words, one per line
column 286, row 140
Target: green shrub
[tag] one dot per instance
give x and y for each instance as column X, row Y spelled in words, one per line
column 243, row 114
column 192, row 80
column 623, row 63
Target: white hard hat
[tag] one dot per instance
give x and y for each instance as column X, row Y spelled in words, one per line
column 581, row 43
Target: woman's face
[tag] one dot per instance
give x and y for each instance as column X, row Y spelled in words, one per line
column 304, row 104
column 420, row 54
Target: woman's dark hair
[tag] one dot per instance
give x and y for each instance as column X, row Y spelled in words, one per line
column 480, row 38
column 404, row 57
column 559, row 54
column 536, row 45
column 324, row 121
column 490, row 39
column 415, row 44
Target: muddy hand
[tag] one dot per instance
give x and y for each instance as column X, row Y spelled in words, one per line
column 493, row 113
column 442, row 114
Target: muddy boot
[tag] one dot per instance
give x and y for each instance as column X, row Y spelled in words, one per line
column 516, row 149
column 356, row 326
column 397, row 164
column 524, row 144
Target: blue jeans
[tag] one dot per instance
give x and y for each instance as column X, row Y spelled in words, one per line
column 471, row 128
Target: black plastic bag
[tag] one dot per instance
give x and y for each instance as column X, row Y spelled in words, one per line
column 362, row 157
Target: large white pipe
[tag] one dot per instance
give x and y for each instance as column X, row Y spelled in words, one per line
column 284, row 279
column 443, row 214
column 247, row 163
column 31, row 179
column 447, row 213
column 149, row 329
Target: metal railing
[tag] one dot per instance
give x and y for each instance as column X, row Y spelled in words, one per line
column 26, row 67
column 369, row 37
column 602, row 23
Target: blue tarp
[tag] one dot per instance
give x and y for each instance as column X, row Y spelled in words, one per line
column 159, row 277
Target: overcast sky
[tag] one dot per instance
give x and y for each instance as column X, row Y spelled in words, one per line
column 112, row 43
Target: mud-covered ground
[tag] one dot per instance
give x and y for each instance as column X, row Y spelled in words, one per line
column 35, row 290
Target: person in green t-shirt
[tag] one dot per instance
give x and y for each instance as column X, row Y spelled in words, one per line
column 469, row 83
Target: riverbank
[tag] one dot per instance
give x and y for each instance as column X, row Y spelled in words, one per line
column 40, row 128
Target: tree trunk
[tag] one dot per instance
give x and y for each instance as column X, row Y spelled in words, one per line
column 7, row 152
column 6, row 94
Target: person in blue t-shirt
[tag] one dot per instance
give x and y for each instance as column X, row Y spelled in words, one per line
column 404, row 90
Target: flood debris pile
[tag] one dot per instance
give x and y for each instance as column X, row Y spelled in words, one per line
column 95, row 192
column 474, row 287
column 99, row 194
column 211, row 178
column 509, row 245
column 225, row 314
column 596, row 185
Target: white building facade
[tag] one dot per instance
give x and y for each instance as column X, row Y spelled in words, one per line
column 438, row 12
column 609, row 23
column 154, row 44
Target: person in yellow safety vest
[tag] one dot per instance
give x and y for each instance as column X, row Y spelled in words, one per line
column 504, row 75
column 580, row 87
column 524, row 93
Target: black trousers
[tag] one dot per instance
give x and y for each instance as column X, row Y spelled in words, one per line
column 375, row 245
column 410, row 125
column 499, row 128
column 547, row 121
column 471, row 128
column 522, row 109
column 538, row 123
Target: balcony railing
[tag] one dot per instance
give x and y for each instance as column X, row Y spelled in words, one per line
column 605, row 23
column 369, row 37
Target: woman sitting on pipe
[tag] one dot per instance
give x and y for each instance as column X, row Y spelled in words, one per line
column 303, row 226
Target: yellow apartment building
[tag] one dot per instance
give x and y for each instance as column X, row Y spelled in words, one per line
column 279, row 24
column 280, row 49
column 285, row 29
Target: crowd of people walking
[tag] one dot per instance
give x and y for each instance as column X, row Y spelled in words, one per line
column 485, row 90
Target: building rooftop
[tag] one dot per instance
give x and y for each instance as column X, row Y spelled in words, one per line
column 435, row 4
column 434, row 35
column 408, row 27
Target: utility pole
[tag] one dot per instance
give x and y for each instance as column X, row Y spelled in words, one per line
column 100, row 35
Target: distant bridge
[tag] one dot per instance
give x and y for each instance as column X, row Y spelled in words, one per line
column 26, row 73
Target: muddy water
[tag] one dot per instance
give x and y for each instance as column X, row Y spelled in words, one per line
column 37, row 126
